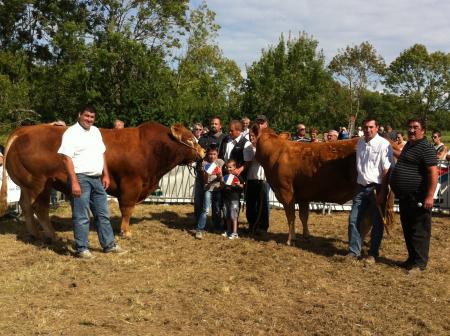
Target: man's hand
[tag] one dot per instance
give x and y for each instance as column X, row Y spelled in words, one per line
column 239, row 170
column 428, row 202
column 105, row 181
column 76, row 189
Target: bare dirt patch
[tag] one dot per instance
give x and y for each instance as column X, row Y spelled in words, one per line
column 171, row 284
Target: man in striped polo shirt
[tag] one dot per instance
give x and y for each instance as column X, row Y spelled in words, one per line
column 374, row 158
column 414, row 181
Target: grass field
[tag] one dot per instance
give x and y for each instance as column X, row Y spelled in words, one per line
column 171, row 284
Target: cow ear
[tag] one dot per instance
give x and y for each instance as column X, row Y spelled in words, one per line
column 176, row 131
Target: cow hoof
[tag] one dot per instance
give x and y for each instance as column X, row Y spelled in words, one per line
column 291, row 243
column 125, row 235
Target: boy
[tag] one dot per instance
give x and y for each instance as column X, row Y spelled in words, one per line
column 212, row 176
column 232, row 189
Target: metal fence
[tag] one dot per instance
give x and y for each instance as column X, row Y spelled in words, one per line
column 177, row 186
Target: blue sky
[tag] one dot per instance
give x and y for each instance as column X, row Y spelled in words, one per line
column 248, row 26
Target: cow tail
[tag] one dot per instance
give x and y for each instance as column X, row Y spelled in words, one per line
column 389, row 213
column 4, row 189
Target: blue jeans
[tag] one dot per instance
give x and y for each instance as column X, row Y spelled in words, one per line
column 214, row 199
column 93, row 196
column 364, row 199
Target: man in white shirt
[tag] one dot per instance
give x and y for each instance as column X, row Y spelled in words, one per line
column 233, row 146
column 374, row 158
column 83, row 154
column 257, row 191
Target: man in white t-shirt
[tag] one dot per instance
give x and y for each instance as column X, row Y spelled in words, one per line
column 374, row 158
column 83, row 154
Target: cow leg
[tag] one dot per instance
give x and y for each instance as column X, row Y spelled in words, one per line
column 126, row 211
column 304, row 215
column 41, row 209
column 289, row 209
column 25, row 205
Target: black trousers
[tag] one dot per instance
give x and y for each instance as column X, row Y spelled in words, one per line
column 416, row 224
column 257, row 205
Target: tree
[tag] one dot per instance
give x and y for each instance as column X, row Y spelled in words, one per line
column 288, row 84
column 207, row 83
column 357, row 68
column 422, row 79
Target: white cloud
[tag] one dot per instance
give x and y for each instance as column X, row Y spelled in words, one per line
column 391, row 26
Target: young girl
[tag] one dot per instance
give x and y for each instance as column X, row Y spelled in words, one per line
column 212, row 176
column 232, row 189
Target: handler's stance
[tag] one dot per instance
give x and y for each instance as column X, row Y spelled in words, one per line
column 373, row 161
column 83, row 153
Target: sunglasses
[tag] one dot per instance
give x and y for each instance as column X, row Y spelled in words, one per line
column 198, row 129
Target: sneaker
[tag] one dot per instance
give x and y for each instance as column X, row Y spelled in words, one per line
column 233, row 236
column 116, row 249
column 199, row 235
column 369, row 261
column 415, row 270
column 85, row 254
column 225, row 234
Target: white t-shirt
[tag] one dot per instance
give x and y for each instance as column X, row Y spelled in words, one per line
column 255, row 170
column 372, row 158
column 85, row 148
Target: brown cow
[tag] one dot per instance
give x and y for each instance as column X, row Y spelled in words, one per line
column 137, row 157
column 304, row 172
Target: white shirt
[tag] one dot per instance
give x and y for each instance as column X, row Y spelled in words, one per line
column 230, row 146
column 255, row 170
column 85, row 148
column 372, row 158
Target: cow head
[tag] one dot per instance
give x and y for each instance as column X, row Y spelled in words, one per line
column 186, row 138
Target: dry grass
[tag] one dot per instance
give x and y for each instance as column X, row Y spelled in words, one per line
column 172, row 284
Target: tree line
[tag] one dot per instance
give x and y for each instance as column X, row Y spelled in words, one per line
column 159, row 60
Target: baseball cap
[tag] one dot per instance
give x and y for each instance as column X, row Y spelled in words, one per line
column 261, row 117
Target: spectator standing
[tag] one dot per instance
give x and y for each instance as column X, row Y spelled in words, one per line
column 256, row 192
column 314, row 132
column 390, row 134
column 233, row 146
column 119, row 124
column 233, row 186
column 360, row 132
column 414, row 181
column 343, row 134
column 197, row 130
column 325, row 136
column 332, row 135
column 83, row 153
column 439, row 146
column 400, row 141
column 214, row 137
column 245, row 124
column 262, row 122
column 374, row 158
column 300, row 136
column 212, row 176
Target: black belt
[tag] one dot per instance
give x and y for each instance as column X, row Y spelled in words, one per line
column 370, row 185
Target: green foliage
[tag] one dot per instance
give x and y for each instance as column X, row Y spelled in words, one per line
column 289, row 84
column 357, row 68
column 422, row 80
column 207, row 83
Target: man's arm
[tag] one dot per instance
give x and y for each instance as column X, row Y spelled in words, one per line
column 68, row 164
column 105, row 177
column 432, row 183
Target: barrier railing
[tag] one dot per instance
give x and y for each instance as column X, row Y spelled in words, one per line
column 177, row 186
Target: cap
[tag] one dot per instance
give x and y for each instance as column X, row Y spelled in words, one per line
column 261, row 117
